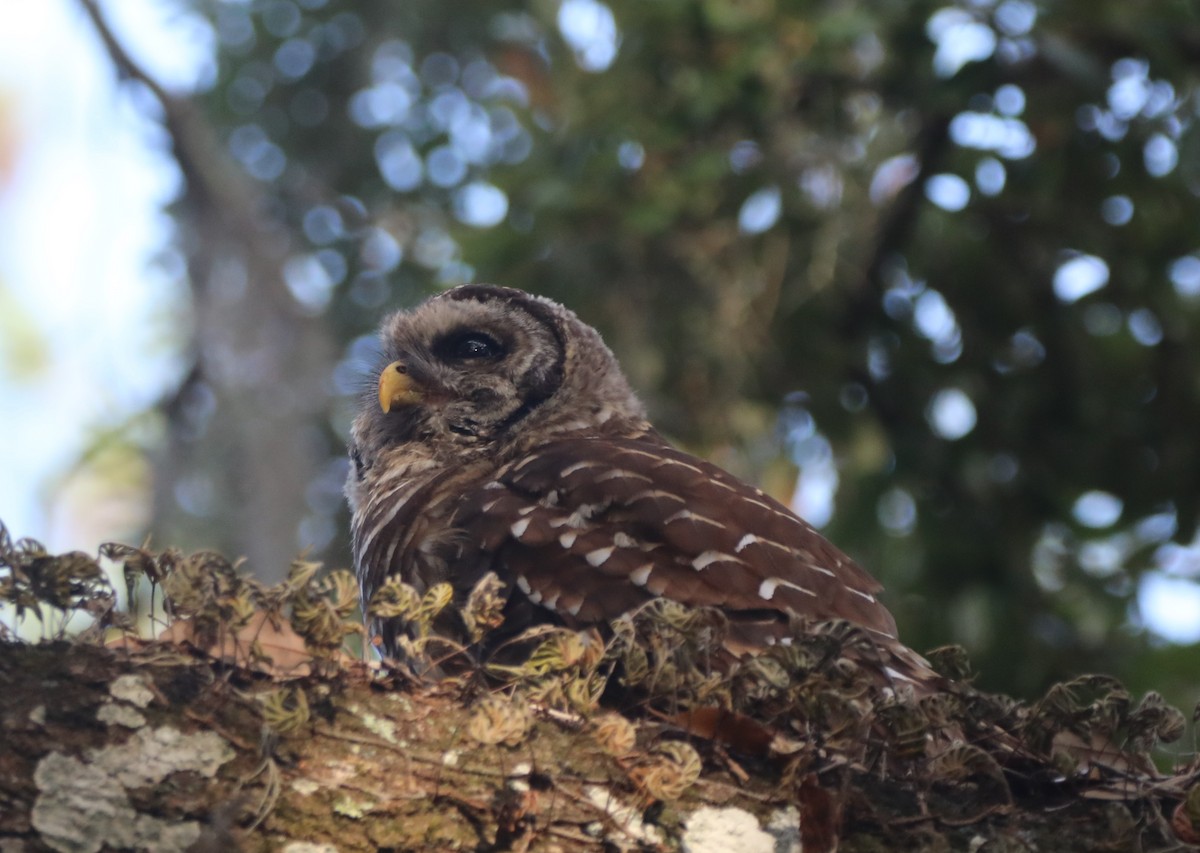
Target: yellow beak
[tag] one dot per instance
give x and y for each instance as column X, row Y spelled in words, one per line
column 396, row 388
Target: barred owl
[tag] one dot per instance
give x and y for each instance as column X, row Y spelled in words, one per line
column 504, row 438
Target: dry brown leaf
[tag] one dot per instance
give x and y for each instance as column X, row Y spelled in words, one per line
column 734, row 730
column 1183, row 820
column 261, row 645
column 820, row 817
column 1097, row 754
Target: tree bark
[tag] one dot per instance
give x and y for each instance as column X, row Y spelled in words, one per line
column 163, row 749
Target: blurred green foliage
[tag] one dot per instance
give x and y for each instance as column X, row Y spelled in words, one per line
column 945, row 250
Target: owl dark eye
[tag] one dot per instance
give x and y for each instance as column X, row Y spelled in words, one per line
column 470, row 346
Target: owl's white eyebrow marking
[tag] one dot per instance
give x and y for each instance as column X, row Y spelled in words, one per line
column 641, row 574
column 518, row 528
column 709, row 557
column 766, row 589
column 598, row 557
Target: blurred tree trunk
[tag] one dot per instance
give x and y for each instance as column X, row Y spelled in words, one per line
column 251, row 404
column 243, row 442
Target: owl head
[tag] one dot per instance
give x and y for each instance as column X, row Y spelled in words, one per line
column 479, row 370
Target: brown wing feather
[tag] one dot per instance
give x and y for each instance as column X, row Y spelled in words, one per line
column 592, row 527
